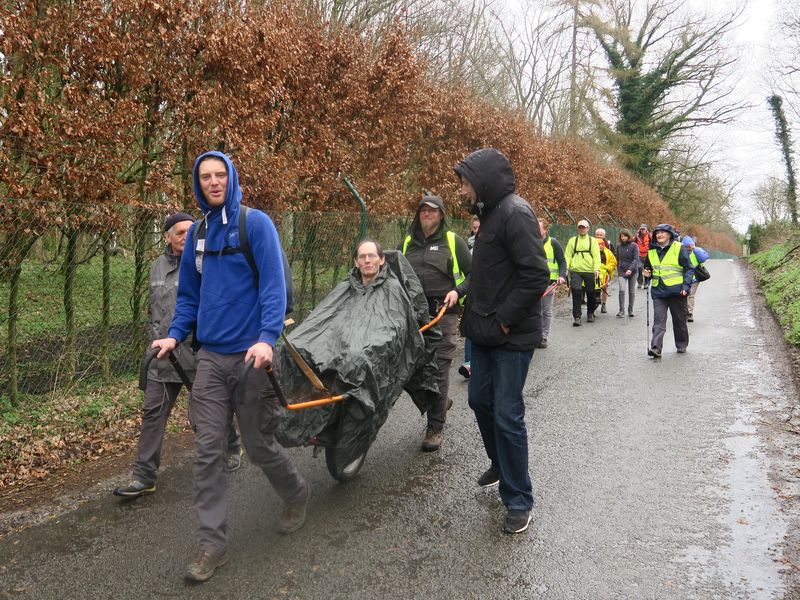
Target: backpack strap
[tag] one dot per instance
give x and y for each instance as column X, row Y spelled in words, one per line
column 199, row 243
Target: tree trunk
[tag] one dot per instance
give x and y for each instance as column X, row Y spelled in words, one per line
column 141, row 232
column 13, row 270
column 13, row 372
column 70, row 339
column 105, row 325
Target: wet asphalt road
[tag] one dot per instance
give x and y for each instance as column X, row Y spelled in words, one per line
column 650, row 480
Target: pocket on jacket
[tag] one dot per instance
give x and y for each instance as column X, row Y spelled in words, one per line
column 482, row 327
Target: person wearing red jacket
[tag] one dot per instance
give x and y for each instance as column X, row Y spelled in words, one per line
column 642, row 240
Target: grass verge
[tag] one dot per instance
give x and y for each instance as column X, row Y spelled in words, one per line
column 778, row 272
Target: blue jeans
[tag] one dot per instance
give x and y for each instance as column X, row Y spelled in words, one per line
column 495, row 394
column 467, row 350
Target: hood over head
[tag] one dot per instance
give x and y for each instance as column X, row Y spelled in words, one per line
column 490, row 174
column 233, row 194
column 688, row 241
column 664, row 227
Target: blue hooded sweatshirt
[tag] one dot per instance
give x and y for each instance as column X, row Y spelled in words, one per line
column 223, row 305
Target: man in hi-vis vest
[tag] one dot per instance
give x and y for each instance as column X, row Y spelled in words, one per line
column 442, row 261
column 671, row 269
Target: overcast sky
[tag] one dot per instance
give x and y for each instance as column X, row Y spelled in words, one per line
column 747, row 147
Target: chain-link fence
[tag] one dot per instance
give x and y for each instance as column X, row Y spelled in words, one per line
column 74, row 292
column 73, row 286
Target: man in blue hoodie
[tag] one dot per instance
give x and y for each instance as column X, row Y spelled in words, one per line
column 236, row 310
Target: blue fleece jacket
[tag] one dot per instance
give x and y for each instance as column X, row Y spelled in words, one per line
column 229, row 314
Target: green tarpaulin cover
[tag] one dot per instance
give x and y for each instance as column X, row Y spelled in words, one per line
column 363, row 342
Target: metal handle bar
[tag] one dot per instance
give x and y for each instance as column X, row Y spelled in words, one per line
column 145, row 367
column 245, row 371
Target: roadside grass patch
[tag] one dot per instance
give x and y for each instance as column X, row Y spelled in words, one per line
column 778, row 270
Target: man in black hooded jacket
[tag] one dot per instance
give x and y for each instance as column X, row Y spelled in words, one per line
column 502, row 317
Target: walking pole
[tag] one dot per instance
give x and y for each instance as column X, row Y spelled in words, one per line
column 647, row 320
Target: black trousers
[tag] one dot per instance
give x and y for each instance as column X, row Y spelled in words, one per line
column 575, row 281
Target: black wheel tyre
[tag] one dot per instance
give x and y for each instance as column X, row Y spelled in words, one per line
column 343, row 473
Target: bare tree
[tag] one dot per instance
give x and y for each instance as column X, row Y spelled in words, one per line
column 670, row 73
column 534, row 54
column 769, row 198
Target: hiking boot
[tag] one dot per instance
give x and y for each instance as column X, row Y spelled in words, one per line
column 603, row 308
column 590, row 318
column 490, row 476
column 654, row 352
column 681, row 350
column 465, row 370
column 630, row 314
column 576, row 322
column 205, row 564
column 516, row 521
column 638, row 287
column 432, row 441
column 294, row 515
column 543, row 343
column 234, row 461
column 135, row 489
column 620, row 314
column 690, row 318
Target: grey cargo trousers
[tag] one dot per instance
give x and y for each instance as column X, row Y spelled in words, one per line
column 445, row 352
column 213, row 402
column 159, row 398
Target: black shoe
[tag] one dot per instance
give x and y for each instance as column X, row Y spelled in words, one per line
column 576, row 322
column 490, row 477
column 690, row 318
column 135, row 489
column 654, row 352
column 630, row 314
column 205, row 564
column 543, row 343
column 681, row 350
column 465, row 370
column 590, row 318
column 516, row 521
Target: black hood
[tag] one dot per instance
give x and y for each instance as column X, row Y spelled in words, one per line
column 490, row 175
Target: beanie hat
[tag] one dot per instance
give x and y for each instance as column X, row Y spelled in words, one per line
column 176, row 218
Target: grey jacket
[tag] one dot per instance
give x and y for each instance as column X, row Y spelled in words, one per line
column 160, row 308
column 628, row 258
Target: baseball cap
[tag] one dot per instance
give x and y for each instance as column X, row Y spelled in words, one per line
column 583, row 223
column 433, row 202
